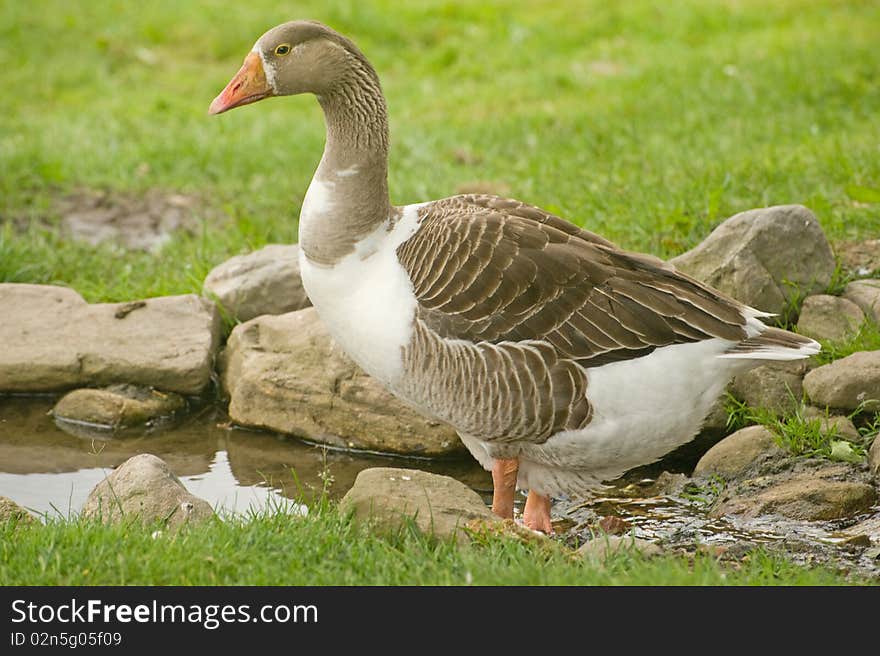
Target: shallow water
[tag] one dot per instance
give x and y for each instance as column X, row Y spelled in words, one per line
column 50, row 468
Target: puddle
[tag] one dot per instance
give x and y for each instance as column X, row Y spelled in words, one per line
column 48, row 470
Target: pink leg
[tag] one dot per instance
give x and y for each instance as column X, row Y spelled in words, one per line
column 504, row 484
column 537, row 513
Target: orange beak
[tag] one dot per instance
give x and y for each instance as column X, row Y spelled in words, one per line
column 248, row 86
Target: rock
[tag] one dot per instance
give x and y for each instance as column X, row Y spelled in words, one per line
column 600, row 548
column 874, row 457
column 285, row 373
column 846, row 383
column 54, row 340
column 266, row 281
column 808, row 499
column 117, row 406
column 865, row 294
column 869, row 528
column 754, row 255
column 385, row 497
column 12, row 512
column 816, row 491
column 777, row 386
column 738, row 452
column 829, row 317
column 667, row 484
column 145, row 489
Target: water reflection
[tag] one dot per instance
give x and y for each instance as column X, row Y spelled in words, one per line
column 49, row 470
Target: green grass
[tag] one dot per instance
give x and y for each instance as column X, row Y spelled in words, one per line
column 805, row 436
column 866, row 339
column 649, row 122
column 325, row 548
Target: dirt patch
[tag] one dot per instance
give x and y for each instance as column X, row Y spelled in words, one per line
column 137, row 222
column 862, row 257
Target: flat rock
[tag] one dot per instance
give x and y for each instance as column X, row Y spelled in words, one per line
column 387, row 497
column 829, row 317
column 143, row 488
column 777, row 386
column 846, row 383
column 286, row 374
column 602, row 547
column 53, row 340
column 814, row 491
column 117, row 406
column 762, row 256
column 869, row 528
column 12, row 512
column 738, row 452
column 865, row 294
column 266, row 281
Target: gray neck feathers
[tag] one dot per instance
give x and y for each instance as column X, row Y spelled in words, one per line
column 352, row 198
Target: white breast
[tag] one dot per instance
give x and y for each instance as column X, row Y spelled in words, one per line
column 366, row 300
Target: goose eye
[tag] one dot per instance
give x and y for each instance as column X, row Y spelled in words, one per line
column 282, row 50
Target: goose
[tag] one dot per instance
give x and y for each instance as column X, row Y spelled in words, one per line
column 561, row 360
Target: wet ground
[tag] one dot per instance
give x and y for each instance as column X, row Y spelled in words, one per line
column 670, row 510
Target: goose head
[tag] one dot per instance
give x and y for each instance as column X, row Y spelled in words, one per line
column 292, row 58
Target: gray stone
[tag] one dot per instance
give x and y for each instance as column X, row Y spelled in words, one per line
column 385, row 498
column 865, row 294
column 738, row 452
column 869, row 528
column 53, row 340
column 144, row 489
column 286, row 374
column 266, row 281
column 847, row 383
column 829, row 317
column 777, row 386
column 12, row 512
column 754, row 255
column 117, row 406
column 813, row 491
column 602, row 547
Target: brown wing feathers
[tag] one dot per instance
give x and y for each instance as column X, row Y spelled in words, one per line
column 494, row 270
